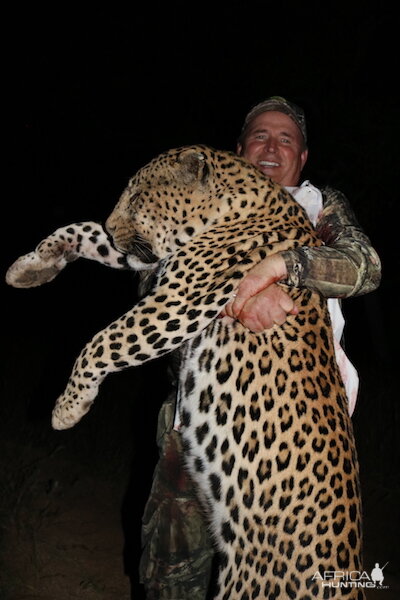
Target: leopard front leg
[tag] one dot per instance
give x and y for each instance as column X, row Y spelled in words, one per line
column 159, row 324
column 66, row 244
column 111, row 350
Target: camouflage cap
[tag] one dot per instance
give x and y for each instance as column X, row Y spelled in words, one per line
column 281, row 105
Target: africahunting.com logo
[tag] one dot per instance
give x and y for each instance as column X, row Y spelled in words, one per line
column 352, row 579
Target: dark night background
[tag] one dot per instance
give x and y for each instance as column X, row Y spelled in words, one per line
column 94, row 96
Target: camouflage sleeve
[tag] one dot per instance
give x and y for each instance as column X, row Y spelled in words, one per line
column 346, row 265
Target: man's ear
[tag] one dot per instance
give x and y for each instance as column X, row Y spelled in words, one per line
column 303, row 157
column 193, row 166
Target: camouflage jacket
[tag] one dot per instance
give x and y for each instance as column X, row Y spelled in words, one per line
column 347, row 265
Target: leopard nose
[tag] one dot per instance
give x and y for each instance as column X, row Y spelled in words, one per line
column 110, row 224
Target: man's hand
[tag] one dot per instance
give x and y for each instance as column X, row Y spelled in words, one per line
column 260, row 303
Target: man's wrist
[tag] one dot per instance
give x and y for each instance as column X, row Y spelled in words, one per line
column 296, row 267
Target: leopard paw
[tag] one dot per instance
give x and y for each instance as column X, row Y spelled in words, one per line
column 67, row 412
column 31, row 270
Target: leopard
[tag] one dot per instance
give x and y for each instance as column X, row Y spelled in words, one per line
column 267, row 435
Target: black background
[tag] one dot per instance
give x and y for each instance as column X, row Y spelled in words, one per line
column 94, row 95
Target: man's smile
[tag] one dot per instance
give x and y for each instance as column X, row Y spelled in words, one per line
column 268, row 163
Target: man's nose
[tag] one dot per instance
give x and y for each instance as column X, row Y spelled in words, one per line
column 271, row 144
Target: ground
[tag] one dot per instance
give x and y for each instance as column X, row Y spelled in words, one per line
column 62, row 534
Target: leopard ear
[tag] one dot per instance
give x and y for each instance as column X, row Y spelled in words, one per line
column 193, row 166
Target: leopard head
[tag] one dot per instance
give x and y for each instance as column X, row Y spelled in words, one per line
column 176, row 196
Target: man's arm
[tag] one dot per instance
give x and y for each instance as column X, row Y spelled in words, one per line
column 346, row 266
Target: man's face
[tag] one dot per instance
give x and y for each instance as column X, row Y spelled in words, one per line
column 274, row 144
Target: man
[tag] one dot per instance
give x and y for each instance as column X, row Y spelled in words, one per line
column 177, row 557
column 274, row 139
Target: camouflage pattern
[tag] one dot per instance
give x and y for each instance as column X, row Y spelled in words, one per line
column 177, row 549
column 347, row 265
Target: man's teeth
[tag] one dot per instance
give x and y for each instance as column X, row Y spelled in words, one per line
column 267, row 163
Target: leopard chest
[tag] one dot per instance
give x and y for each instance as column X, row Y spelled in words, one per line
column 265, row 426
